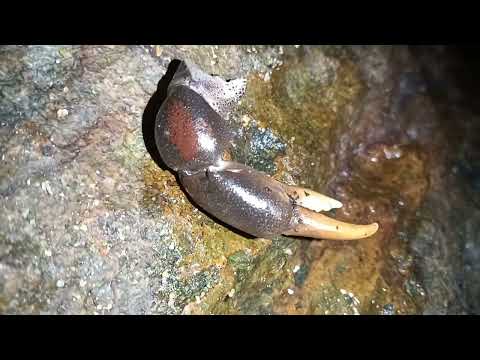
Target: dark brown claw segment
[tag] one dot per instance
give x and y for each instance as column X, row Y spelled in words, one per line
column 242, row 197
column 315, row 225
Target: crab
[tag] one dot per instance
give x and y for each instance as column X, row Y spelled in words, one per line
column 193, row 133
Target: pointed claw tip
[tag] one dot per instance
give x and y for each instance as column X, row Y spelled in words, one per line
column 372, row 229
column 336, row 204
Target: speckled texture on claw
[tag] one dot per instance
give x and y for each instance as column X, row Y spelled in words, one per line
column 220, row 94
column 242, row 197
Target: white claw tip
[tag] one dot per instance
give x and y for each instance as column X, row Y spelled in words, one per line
column 314, row 201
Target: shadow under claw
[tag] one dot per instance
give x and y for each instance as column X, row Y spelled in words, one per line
column 151, row 110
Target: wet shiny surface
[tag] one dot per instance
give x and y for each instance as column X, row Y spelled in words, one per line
column 242, row 197
column 189, row 134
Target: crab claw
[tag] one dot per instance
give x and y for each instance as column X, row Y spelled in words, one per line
column 192, row 133
column 259, row 205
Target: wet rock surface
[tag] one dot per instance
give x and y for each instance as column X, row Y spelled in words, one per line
column 92, row 223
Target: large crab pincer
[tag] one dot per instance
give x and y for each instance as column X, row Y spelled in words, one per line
column 193, row 134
